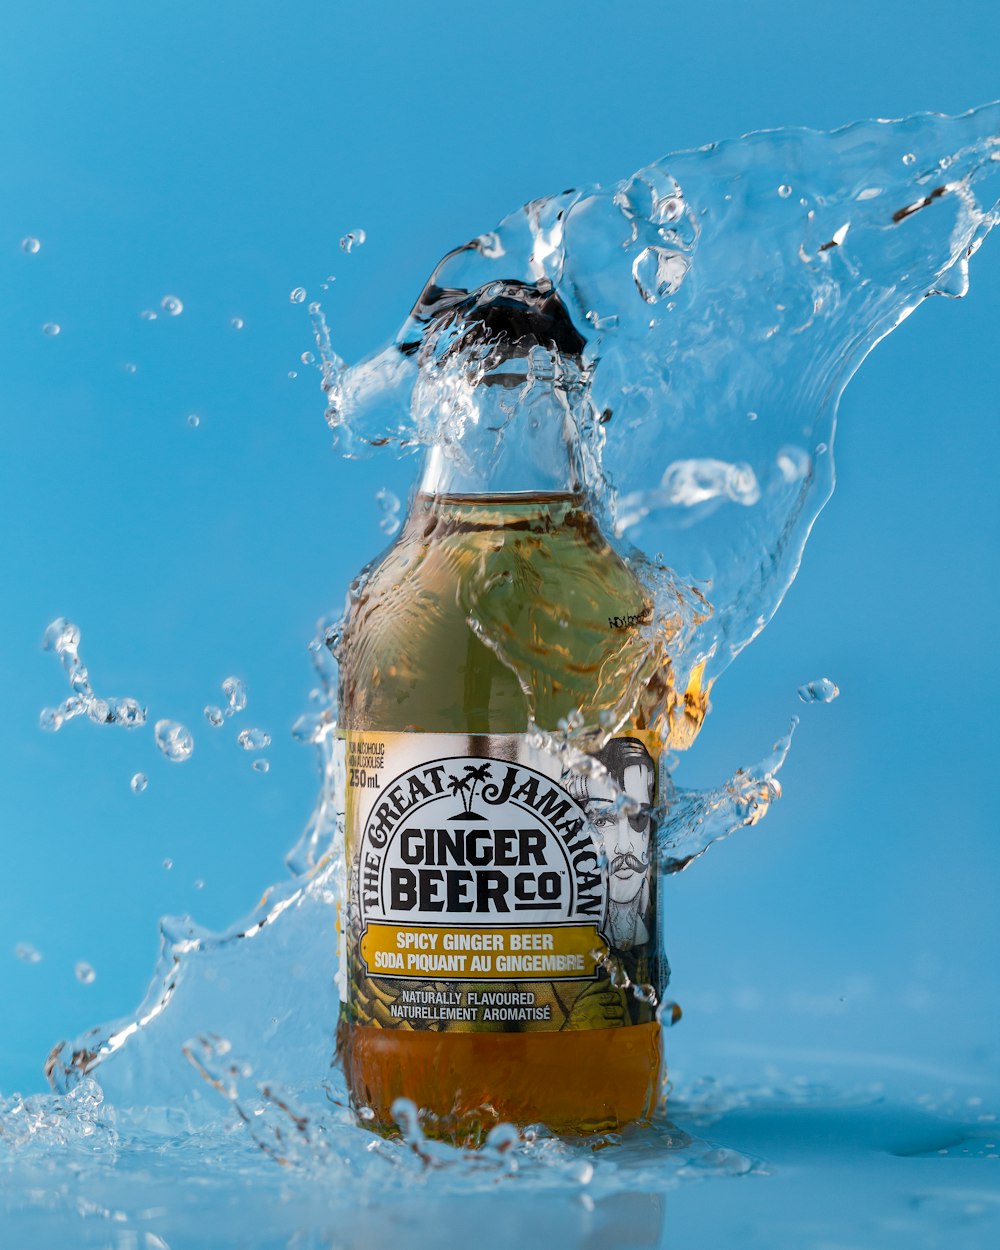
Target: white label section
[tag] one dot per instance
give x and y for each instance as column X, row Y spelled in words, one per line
column 453, row 837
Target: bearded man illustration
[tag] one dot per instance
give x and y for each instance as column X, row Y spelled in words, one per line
column 625, row 835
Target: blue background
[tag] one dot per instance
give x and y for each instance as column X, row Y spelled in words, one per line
column 218, row 152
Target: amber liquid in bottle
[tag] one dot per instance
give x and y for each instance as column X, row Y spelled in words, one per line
column 538, row 571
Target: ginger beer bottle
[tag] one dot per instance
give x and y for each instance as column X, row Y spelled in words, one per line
column 501, row 896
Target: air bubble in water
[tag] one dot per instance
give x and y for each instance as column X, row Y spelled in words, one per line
column 823, row 690
column 85, row 974
column 139, row 782
column 52, row 328
column 235, row 690
column 194, row 420
column 148, row 314
column 31, row 245
column 353, row 239
column 213, row 715
column 174, row 740
column 237, row 323
column 784, row 190
column 388, row 506
column 909, row 158
column 298, row 295
column 658, row 272
column 260, row 766
column 253, row 739
column 172, row 305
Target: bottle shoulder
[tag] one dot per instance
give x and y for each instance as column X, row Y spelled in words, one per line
column 477, row 617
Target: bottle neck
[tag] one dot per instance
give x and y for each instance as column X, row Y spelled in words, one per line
column 503, row 440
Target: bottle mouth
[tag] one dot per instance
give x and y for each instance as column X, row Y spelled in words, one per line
column 494, row 329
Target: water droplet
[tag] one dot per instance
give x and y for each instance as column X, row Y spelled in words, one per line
column 260, row 766
column 307, row 358
column 668, row 1014
column 292, row 373
column 298, row 295
column 139, row 782
column 50, row 719
column 172, row 305
column 27, row 953
column 198, row 883
column 502, row 1137
column 784, row 190
column 61, row 636
column 99, row 712
column 130, row 367
column 237, row 323
column 168, row 864
column 235, row 690
column 148, row 314
column 31, row 245
column 85, row 974
column 253, row 739
column 52, row 328
column 353, row 239
column 752, row 416
column 174, row 740
column 909, row 158
column 823, row 690
column 194, row 420
column 213, row 715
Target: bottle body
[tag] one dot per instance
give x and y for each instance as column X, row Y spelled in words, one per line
column 491, row 614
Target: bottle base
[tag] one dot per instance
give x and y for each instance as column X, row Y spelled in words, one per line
column 583, row 1082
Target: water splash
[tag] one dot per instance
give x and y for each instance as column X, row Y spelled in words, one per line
column 725, row 318
column 705, row 295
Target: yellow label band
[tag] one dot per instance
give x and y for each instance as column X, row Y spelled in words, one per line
column 557, row 952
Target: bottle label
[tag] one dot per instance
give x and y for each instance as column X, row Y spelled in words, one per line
column 493, row 888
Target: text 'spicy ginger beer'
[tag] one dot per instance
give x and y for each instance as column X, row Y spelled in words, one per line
column 501, row 897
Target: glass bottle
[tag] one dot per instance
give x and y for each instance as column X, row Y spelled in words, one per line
column 503, row 713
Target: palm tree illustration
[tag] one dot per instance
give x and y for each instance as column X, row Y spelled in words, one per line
column 466, row 787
